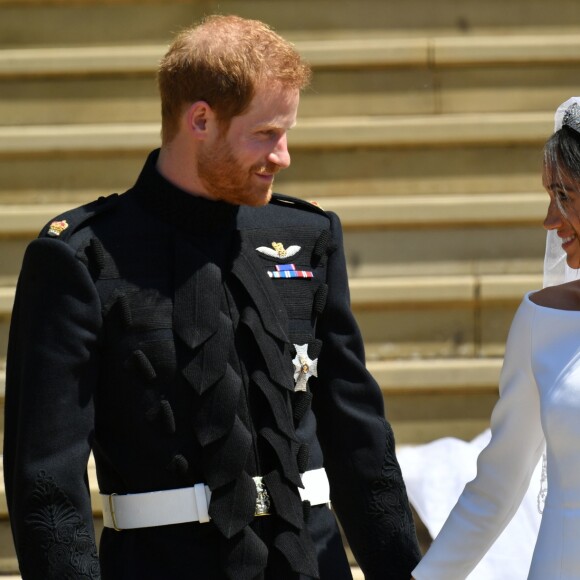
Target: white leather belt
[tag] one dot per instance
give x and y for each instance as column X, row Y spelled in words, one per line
column 190, row 504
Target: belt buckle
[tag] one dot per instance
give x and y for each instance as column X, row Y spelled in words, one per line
column 112, row 511
column 263, row 499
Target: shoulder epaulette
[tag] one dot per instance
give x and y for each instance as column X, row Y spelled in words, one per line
column 64, row 225
column 281, row 199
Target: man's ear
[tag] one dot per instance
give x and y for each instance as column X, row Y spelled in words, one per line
column 199, row 116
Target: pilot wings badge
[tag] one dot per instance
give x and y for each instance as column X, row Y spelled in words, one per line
column 279, row 251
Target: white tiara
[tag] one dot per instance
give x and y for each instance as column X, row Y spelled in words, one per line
column 572, row 117
column 568, row 113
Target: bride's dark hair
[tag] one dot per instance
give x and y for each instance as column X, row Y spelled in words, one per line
column 562, row 156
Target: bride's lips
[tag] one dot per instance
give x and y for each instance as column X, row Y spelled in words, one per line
column 567, row 242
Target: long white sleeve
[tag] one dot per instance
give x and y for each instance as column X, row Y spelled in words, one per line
column 504, row 467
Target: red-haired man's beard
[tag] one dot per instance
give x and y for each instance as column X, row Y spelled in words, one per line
column 225, row 178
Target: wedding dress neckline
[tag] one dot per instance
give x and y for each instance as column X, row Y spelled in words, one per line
column 527, row 300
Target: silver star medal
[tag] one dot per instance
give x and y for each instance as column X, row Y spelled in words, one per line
column 304, row 367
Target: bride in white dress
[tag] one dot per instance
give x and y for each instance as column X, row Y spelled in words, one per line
column 539, row 405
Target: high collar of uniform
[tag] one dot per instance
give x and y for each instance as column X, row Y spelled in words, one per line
column 172, row 204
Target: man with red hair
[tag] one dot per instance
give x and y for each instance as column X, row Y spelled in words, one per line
column 195, row 334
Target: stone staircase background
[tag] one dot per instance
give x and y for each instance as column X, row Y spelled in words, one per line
column 423, row 130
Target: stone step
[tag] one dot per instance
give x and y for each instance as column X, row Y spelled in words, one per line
column 404, row 76
column 348, row 156
column 374, row 91
column 453, row 317
column 357, row 213
column 385, row 236
column 368, row 294
column 466, row 129
column 74, row 176
column 79, row 22
column 408, row 251
column 363, row 51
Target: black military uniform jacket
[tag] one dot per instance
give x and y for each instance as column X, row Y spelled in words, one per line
column 158, row 330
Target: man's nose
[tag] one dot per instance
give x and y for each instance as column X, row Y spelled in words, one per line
column 280, row 154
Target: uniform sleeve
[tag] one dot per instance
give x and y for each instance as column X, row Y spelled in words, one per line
column 50, row 380
column 504, row 467
column 367, row 489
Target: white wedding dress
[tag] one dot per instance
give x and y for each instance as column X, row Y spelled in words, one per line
column 539, row 406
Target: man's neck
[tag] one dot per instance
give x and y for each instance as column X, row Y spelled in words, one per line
column 179, row 169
